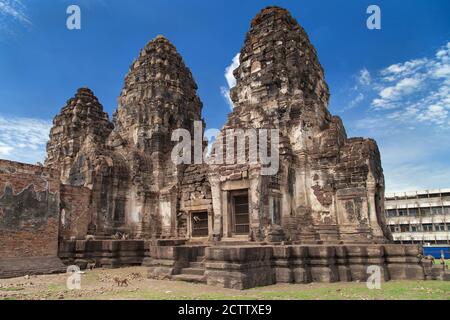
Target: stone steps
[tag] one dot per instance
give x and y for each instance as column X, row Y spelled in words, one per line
column 200, row 265
column 190, row 278
column 193, row 271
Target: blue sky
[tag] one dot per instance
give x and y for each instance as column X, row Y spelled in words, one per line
column 390, row 84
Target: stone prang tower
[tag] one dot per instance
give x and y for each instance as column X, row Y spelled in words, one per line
column 128, row 165
column 329, row 188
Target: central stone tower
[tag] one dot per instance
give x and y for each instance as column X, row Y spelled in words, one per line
column 328, row 188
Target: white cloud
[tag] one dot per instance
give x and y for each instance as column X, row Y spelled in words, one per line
column 23, row 139
column 389, row 96
column 231, row 80
column 364, row 77
column 419, row 89
column 401, row 70
column 12, row 11
column 226, row 94
column 355, row 101
column 410, row 119
column 434, row 113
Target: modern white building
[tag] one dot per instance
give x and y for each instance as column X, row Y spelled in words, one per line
column 420, row 216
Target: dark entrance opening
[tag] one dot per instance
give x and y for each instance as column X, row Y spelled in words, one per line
column 241, row 216
column 199, row 222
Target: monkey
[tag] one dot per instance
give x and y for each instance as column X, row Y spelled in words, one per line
column 121, row 282
column 91, row 266
column 429, row 257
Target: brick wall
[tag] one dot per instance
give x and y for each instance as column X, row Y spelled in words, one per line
column 29, row 210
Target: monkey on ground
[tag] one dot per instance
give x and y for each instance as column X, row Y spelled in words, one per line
column 90, row 266
column 121, row 282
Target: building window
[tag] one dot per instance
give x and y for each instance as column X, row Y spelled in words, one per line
column 436, row 210
column 439, row 227
column 199, row 224
column 402, row 212
column 241, row 215
column 392, row 228
column 446, row 210
column 404, row 228
column 414, row 228
column 427, row 227
column 413, row 212
column 424, row 211
column 391, row 213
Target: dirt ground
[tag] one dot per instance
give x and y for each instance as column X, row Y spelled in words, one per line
column 99, row 284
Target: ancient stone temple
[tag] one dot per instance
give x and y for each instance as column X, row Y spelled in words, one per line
column 313, row 213
column 328, row 187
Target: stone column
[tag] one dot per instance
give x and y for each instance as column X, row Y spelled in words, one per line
column 255, row 208
column 216, row 193
column 374, row 223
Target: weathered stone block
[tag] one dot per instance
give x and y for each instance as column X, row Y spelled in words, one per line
column 403, row 262
column 239, row 267
column 323, row 264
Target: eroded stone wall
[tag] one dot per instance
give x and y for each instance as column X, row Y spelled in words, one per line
column 29, row 210
column 29, row 219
